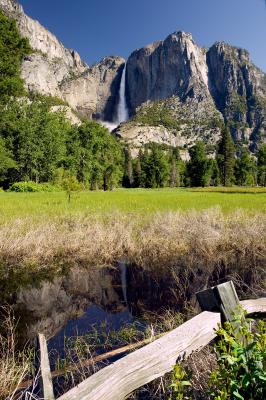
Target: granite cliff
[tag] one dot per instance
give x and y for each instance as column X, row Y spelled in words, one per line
column 206, row 86
column 54, row 70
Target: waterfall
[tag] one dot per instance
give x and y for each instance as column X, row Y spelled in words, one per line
column 122, row 111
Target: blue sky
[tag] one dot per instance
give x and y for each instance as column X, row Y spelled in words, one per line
column 97, row 28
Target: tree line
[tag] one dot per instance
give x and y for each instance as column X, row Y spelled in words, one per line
column 160, row 166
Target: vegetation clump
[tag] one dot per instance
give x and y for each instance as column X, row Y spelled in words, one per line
column 241, row 358
column 32, row 187
column 240, row 373
column 156, row 114
column 14, row 365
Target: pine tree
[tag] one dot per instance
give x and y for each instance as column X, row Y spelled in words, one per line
column 128, row 179
column 245, row 169
column 137, row 171
column 175, row 168
column 215, row 173
column 262, row 165
column 155, row 166
column 226, row 158
column 199, row 167
column 173, row 174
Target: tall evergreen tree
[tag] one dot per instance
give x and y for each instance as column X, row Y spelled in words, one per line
column 12, row 50
column 175, row 167
column 215, row 173
column 245, row 169
column 155, row 166
column 199, row 167
column 174, row 175
column 128, row 178
column 262, row 165
column 137, row 171
column 226, row 158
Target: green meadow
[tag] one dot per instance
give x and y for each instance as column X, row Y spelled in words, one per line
column 134, row 201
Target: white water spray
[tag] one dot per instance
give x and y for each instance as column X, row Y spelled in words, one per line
column 122, row 110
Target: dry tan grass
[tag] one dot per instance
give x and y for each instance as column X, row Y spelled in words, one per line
column 202, row 248
column 196, row 248
column 73, row 241
column 13, row 366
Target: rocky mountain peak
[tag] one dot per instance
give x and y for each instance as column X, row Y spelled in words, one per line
column 231, row 51
column 239, row 91
column 179, row 36
column 175, row 66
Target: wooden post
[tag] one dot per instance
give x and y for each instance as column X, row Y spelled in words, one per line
column 221, row 298
column 46, row 377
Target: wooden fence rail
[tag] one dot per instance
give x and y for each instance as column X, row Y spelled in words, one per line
column 120, row 379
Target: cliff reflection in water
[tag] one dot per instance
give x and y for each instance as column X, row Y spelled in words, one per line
column 71, row 304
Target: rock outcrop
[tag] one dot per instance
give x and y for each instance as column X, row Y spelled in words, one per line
column 94, row 93
column 56, row 71
column 239, row 91
column 173, row 123
column 175, row 66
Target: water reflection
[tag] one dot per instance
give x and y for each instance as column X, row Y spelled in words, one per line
column 71, row 304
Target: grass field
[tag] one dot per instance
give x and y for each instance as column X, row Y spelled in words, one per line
column 136, row 201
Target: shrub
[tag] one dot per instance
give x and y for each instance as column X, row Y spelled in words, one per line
column 14, row 365
column 70, row 184
column 180, row 384
column 241, row 353
column 33, row 187
column 241, row 359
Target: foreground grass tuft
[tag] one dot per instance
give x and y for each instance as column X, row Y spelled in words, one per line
column 14, row 365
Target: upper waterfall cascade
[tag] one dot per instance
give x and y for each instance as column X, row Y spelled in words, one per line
column 122, row 110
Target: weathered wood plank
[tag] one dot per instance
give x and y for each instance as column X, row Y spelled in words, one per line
column 118, row 380
column 254, row 306
column 47, row 384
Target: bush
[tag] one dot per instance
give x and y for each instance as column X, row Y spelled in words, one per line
column 33, row 187
column 241, row 353
column 241, row 359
